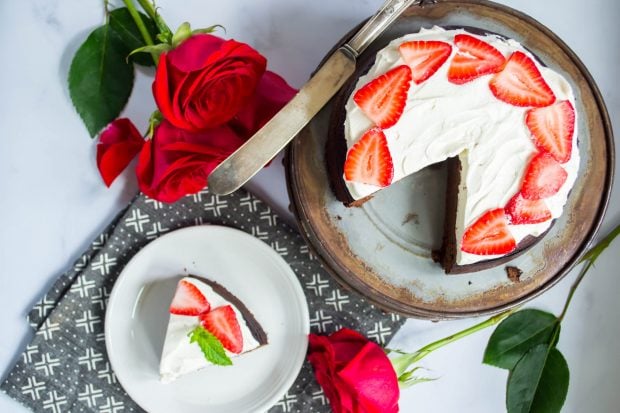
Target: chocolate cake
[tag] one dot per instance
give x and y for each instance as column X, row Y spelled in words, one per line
column 483, row 104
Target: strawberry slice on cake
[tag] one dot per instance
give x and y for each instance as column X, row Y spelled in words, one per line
column 208, row 326
column 489, row 235
column 369, row 160
column 474, row 58
column 383, row 99
column 424, row 57
column 552, row 129
column 520, row 83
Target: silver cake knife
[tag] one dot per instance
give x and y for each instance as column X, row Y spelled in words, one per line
column 265, row 144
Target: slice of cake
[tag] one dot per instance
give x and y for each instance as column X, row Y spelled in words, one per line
column 504, row 123
column 208, row 326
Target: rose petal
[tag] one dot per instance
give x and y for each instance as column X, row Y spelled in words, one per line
column 272, row 93
column 194, row 52
column 205, row 81
column 163, row 96
column 118, row 144
column 371, row 375
column 177, row 162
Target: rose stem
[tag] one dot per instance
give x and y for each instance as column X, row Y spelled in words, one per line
column 589, row 259
column 152, row 12
column 429, row 348
column 143, row 31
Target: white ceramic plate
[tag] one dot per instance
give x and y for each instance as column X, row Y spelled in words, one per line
column 137, row 318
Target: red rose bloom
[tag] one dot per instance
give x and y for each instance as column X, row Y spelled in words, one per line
column 355, row 374
column 176, row 162
column 118, row 144
column 205, row 81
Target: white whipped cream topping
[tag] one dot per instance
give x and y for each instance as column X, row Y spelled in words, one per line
column 179, row 356
column 442, row 120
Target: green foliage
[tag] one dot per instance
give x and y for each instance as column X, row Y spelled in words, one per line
column 211, row 347
column 124, row 25
column 525, row 343
column 100, row 78
column 516, row 335
column 538, row 383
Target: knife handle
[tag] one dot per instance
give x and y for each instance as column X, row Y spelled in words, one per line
column 390, row 10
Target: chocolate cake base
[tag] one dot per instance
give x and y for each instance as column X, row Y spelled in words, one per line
column 255, row 328
column 446, row 256
column 335, row 155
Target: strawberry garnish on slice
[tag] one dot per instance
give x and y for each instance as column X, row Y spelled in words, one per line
column 424, row 57
column 369, row 160
column 552, row 129
column 527, row 211
column 474, row 58
column 521, row 84
column 383, row 99
column 543, row 177
column 222, row 323
column 489, row 235
column 188, row 300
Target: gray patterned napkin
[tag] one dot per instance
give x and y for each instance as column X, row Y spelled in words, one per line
column 65, row 368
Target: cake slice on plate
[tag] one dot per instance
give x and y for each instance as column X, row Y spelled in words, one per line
column 208, row 326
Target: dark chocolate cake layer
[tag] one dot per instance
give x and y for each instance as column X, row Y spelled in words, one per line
column 446, row 256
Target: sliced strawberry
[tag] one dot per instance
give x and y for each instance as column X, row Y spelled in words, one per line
column 474, row 58
column 552, row 129
column 188, row 300
column 369, row 160
column 527, row 211
column 489, row 235
column 424, row 57
column 543, row 177
column 383, row 99
column 521, row 84
column 222, row 323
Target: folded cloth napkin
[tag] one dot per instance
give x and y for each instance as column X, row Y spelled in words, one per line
column 65, row 368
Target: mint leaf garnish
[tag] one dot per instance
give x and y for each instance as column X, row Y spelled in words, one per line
column 211, row 347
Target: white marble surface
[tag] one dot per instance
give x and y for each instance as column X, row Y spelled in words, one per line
column 52, row 202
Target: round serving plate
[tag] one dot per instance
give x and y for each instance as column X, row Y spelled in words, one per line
column 382, row 249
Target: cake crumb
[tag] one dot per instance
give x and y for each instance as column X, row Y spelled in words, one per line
column 468, row 282
column 411, row 217
column 514, row 274
column 338, row 217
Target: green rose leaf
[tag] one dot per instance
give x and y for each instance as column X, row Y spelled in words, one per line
column 123, row 24
column 100, row 79
column 539, row 382
column 211, row 347
column 516, row 335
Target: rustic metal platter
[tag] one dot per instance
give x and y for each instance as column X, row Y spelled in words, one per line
column 382, row 249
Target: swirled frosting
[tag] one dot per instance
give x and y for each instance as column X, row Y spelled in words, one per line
column 443, row 120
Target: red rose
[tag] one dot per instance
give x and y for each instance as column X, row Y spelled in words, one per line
column 177, row 162
column 355, row 374
column 118, row 144
column 205, row 81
